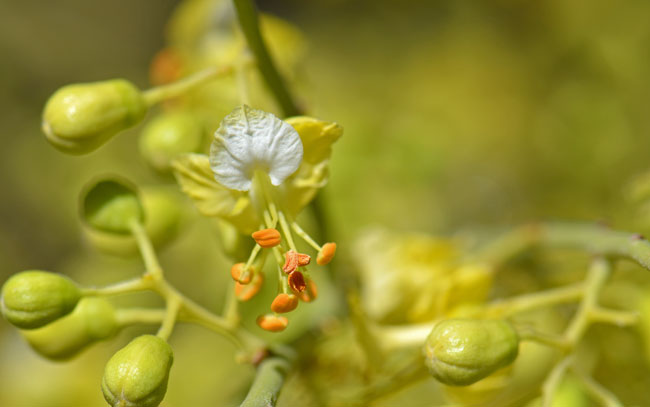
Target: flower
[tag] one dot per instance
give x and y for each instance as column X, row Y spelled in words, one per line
column 409, row 278
column 262, row 171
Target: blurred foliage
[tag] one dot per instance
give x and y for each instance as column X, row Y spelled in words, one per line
column 456, row 114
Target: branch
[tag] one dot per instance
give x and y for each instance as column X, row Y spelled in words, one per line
column 249, row 23
column 268, row 383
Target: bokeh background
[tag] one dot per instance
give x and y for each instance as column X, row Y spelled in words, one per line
column 457, row 115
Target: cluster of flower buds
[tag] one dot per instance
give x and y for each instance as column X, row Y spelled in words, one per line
column 58, row 322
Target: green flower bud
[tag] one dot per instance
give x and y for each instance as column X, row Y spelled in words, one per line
column 169, row 135
column 92, row 320
column 111, row 205
column 31, row 299
column 79, row 118
column 163, row 216
column 459, row 352
column 136, row 376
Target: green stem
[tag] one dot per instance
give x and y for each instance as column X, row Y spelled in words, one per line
column 146, row 250
column 124, row 287
column 592, row 238
column 614, row 317
column 554, row 379
column 270, row 377
column 596, row 278
column 169, row 321
column 178, row 88
column 249, row 23
column 131, row 316
column 511, row 306
column 555, row 341
column 597, row 391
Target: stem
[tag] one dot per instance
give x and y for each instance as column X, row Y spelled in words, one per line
column 124, row 287
column 614, row 317
column 268, row 383
column 555, row 341
column 131, row 316
column 592, row 238
column 596, row 278
column 173, row 305
column 510, row 306
column 146, row 250
column 415, row 335
column 249, row 23
column 597, row 391
column 553, row 380
column 172, row 90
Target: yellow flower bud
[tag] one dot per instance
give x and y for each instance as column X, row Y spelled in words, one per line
column 92, row 320
column 32, row 299
column 79, row 118
column 111, row 205
column 137, row 375
column 459, row 352
column 169, row 135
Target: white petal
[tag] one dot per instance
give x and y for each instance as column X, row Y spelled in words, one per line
column 248, row 140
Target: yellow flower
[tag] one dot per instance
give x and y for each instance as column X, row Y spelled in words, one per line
column 416, row 278
column 261, row 172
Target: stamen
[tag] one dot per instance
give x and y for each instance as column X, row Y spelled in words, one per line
column 287, row 232
column 293, row 260
column 326, row 254
column 267, row 238
column 240, row 274
column 305, row 236
column 310, row 293
column 253, row 255
column 284, row 303
column 248, row 291
column 297, row 282
column 272, row 323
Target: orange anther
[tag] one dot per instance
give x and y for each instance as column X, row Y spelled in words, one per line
column 240, row 275
column 326, row 254
column 272, row 323
column 310, row 293
column 166, row 67
column 267, row 238
column 284, row 303
column 293, row 260
column 248, row 291
column 297, row 281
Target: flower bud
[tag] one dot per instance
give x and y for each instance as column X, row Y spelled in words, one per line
column 162, row 220
column 79, row 118
column 137, row 375
column 92, row 320
column 31, row 299
column 459, row 352
column 169, row 135
column 111, row 205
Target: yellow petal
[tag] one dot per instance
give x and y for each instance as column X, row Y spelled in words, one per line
column 317, row 137
column 193, row 173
